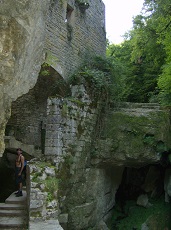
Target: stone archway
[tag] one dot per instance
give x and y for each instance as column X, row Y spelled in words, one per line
column 26, row 126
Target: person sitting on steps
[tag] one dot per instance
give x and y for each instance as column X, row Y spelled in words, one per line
column 19, row 165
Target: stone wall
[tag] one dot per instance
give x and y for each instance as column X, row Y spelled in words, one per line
column 71, row 39
column 70, row 123
column 86, row 194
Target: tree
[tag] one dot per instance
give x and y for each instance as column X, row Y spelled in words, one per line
column 157, row 14
column 145, row 55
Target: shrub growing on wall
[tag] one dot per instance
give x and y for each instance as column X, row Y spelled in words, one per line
column 98, row 76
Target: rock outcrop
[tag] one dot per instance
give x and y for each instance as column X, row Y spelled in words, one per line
column 134, row 135
column 21, row 46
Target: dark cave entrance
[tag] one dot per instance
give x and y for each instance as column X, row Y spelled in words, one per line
column 7, row 173
column 141, row 198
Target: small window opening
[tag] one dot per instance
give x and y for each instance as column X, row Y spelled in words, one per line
column 68, row 13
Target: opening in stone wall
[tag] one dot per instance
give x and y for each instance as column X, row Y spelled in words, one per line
column 26, row 127
column 69, row 11
column 142, row 199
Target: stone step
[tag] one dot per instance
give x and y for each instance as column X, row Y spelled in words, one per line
column 12, row 222
column 4, row 206
column 12, row 199
column 45, row 225
column 12, row 213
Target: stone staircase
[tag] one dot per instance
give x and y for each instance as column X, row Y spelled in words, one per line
column 13, row 213
column 138, row 109
column 137, row 106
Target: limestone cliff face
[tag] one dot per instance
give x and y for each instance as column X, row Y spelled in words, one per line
column 21, row 51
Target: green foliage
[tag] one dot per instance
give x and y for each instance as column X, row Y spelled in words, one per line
column 161, row 147
column 149, row 139
column 36, row 176
column 158, row 146
column 51, row 187
column 160, row 22
column 45, row 73
column 51, row 59
column 77, row 102
column 81, row 1
column 43, row 164
column 98, row 76
column 45, row 69
column 119, row 55
column 64, row 110
column 83, row 4
column 157, row 28
column 139, row 69
column 144, row 58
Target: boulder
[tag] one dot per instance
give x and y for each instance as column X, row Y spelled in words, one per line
column 143, row 200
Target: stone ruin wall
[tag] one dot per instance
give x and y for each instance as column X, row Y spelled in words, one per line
column 69, row 43
column 85, row 194
column 35, row 31
column 63, row 141
column 28, row 119
column 70, row 123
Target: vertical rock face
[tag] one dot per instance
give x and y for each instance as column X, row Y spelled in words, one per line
column 21, row 48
